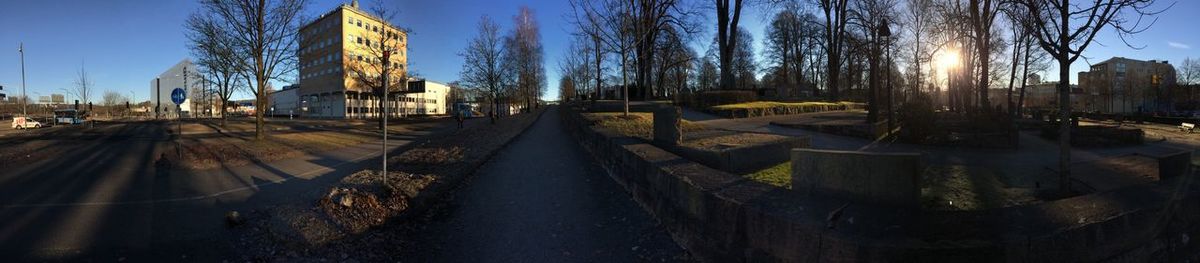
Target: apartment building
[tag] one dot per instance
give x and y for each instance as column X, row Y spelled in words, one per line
column 1122, row 85
column 340, row 49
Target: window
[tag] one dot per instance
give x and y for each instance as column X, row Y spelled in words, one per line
column 360, row 41
column 350, row 20
column 359, row 23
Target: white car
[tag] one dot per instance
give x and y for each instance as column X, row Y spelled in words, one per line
column 25, row 123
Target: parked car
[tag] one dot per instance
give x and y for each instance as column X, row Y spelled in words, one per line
column 25, row 123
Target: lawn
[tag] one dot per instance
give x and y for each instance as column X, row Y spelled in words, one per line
column 637, row 124
column 778, row 175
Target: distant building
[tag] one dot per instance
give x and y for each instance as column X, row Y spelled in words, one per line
column 53, row 99
column 162, row 86
column 286, row 102
column 1122, row 85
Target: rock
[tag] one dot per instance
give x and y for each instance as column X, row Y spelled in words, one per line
column 233, row 218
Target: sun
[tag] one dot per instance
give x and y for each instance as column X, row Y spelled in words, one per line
column 946, row 59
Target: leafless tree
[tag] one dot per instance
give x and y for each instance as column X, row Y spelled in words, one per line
column 1189, row 71
column 1064, row 30
column 112, row 101
column 262, row 34
column 525, row 56
column 483, row 67
column 784, row 43
column 82, row 90
column 212, row 46
column 588, row 26
column 836, row 17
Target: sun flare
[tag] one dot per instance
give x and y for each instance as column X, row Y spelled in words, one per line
column 946, row 59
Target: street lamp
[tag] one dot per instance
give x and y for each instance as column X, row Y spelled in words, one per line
column 886, row 33
column 25, row 99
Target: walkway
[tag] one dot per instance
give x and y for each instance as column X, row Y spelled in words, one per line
column 543, row 199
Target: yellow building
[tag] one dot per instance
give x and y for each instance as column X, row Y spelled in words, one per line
column 337, row 47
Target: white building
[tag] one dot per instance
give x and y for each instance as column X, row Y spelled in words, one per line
column 285, row 102
column 162, row 86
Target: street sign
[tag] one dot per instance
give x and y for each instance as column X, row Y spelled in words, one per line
column 178, row 96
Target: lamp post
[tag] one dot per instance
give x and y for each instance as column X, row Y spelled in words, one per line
column 24, row 97
column 887, row 35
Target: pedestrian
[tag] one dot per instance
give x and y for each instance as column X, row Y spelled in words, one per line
column 459, row 116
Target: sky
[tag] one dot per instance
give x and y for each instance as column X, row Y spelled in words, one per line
column 123, row 44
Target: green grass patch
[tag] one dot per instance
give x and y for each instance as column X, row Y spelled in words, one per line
column 637, row 124
column 778, row 175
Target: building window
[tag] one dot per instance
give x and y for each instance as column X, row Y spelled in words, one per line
column 360, row 40
column 359, row 23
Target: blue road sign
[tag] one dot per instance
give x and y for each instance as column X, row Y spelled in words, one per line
column 178, row 96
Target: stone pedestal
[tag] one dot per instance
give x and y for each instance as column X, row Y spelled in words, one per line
column 668, row 127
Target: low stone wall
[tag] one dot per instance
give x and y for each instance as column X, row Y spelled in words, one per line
column 891, row 179
column 721, row 217
column 743, row 159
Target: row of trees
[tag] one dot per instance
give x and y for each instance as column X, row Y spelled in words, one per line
column 245, row 44
column 824, row 48
column 509, row 68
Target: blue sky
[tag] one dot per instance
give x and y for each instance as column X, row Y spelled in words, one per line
column 124, row 44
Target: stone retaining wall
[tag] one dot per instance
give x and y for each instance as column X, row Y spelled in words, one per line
column 721, row 217
column 891, row 179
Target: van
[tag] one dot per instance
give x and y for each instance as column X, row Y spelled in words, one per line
column 25, row 123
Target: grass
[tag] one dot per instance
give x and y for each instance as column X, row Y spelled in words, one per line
column 801, row 105
column 944, row 188
column 637, row 124
column 208, row 153
column 778, row 175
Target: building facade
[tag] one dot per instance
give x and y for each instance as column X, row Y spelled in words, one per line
column 1122, row 85
column 341, row 49
column 175, row 77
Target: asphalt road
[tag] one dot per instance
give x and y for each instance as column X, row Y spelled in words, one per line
column 543, row 199
column 103, row 198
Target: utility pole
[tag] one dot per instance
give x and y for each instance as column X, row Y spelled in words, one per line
column 157, row 96
column 24, row 97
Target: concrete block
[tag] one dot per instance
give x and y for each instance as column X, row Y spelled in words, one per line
column 891, row 179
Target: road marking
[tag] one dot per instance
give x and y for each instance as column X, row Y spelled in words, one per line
column 193, row 198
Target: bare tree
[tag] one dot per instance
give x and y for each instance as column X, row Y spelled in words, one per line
column 483, row 67
column 112, row 100
column 525, row 56
column 262, row 34
column 82, row 90
column 211, row 44
column 1052, row 23
column 1189, row 71
column 784, row 47
column 587, row 23
column 835, row 32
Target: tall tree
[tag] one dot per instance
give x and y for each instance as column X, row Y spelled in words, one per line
column 983, row 17
column 728, row 15
column 784, row 43
column 483, row 65
column 525, row 57
column 263, row 36
column 744, row 65
column 1052, row 22
column 835, row 32
column 212, row 47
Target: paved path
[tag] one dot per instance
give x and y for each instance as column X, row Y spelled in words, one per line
column 105, row 200
column 543, row 199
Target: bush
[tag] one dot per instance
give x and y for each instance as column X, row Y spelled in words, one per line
column 917, row 120
column 721, row 97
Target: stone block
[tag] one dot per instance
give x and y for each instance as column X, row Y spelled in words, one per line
column 668, row 127
column 890, row 179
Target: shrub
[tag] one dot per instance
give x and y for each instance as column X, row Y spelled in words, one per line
column 917, row 120
column 722, row 97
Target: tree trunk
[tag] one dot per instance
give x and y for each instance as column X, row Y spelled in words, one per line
column 1064, row 101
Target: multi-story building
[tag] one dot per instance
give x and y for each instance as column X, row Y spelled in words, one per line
column 1122, row 85
column 333, row 51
